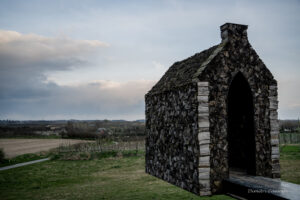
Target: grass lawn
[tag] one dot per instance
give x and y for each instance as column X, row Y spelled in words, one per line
column 106, row 178
column 109, row 176
column 290, row 163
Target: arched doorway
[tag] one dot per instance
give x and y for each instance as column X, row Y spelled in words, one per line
column 241, row 138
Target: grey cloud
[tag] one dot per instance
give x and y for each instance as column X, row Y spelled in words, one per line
column 42, row 53
column 26, row 58
column 26, row 93
column 100, row 100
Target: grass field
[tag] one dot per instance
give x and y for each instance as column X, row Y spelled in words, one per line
column 290, row 163
column 109, row 176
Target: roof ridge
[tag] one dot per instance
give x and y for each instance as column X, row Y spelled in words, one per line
column 208, row 60
column 186, row 71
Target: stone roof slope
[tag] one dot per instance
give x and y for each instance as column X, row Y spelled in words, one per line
column 185, row 71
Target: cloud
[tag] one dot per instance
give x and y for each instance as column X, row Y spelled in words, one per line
column 109, row 96
column 289, row 106
column 27, row 58
column 27, row 92
column 158, row 65
column 96, row 100
column 43, row 52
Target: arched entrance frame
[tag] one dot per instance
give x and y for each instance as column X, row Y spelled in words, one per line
column 241, row 138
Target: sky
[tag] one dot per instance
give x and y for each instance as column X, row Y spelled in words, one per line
column 97, row 59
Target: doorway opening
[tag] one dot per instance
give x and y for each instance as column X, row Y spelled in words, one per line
column 241, row 137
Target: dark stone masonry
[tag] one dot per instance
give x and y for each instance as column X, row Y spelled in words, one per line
column 212, row 114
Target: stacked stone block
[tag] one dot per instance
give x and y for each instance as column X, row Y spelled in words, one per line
column 204, row 139
column 274, row 131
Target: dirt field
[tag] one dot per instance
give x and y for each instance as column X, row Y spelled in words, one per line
column 15, row 147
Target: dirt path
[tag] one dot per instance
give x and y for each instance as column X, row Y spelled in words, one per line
column 15, row 147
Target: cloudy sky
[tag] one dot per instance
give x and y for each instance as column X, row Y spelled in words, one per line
column 97, row 59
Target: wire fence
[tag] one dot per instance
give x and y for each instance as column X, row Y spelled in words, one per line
column 289, row 138
column 103, row 146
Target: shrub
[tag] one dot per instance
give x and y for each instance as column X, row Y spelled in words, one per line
column 2, row 156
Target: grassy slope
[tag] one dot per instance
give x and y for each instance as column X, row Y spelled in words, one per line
column 108, row 178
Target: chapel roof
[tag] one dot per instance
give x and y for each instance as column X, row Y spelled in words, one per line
column 185, row 71
column 188, row 70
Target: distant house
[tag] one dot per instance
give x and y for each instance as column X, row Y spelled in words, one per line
column 102, row 131
column 53, row 127
column 51, row 130
column 91, row 125
column 287, row 130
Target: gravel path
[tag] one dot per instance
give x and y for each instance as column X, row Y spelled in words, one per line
column 23, row 164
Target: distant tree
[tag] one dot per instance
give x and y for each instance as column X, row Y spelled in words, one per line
column 2, row 156
column 291, row 125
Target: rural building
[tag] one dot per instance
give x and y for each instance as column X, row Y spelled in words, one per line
column 213, row 114
column 101, row 131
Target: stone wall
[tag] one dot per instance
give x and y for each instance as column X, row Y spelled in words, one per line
column 236, row 56
column 172, row 146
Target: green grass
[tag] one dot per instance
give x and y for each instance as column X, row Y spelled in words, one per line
column 110, row 175
column 290, row 163
column 292, row 150
column 116, row 177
